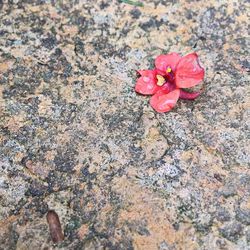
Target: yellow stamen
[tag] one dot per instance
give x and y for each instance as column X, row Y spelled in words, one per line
column 160, row 80
column 168, row 70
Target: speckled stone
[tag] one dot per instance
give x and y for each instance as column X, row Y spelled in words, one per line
column 76, row 138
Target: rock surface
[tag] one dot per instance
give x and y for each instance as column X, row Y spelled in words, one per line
column 77, row 139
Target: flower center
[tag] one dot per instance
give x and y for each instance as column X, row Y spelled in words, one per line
column 160, row 80
column 168, row 70
column 170, row 74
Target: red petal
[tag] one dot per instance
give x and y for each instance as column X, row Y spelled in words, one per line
column 149, row 73
column 146, row 86
column 164, row 102
column 189, row 72
column 170, row 60
column 168, row 87
column 188, row 96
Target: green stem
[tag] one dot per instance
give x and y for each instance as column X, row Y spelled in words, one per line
column 135, row 3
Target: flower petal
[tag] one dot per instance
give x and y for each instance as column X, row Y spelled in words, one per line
column 189, row 72
column 189, row 95
column 170, row 60
column 162, row 102
column 147, row 72
column 146, row 86
column 168, row 87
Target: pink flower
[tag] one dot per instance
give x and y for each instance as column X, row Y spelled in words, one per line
column 172, row 73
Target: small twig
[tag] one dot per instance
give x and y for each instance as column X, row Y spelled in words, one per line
column 55, row 228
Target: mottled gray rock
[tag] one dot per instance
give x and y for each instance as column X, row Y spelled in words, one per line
column 243, row 211
column 222, row 215
column 248, row 236
column 228, row 191
column 76, row 138
column 232, row 231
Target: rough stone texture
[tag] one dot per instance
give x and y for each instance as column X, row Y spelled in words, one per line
column 76, row 138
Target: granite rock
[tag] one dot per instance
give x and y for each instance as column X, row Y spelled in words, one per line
column 76, row 138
